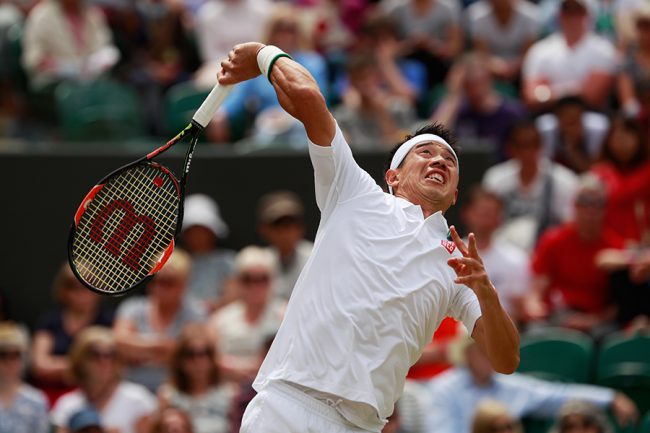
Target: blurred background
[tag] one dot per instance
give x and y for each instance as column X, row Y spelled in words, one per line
column 549, row 99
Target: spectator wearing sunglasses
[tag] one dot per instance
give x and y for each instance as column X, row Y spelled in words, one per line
column 196, row 385
column 241, row 327
column 494, row 417
column 581, row 417
column 97, row 370
column 23, row 409
column 282, row 225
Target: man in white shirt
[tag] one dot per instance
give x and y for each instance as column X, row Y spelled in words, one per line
column 381, row 277
column 574, row 61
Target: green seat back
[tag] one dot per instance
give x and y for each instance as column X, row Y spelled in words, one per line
column 98, row 111
column 624, row 364
column 181, row 102
column 559, row 355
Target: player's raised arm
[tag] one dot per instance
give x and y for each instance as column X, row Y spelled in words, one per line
column 297, row 91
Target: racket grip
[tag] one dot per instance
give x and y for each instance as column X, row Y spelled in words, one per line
column 209, row 107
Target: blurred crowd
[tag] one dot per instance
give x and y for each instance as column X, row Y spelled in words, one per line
column 555, row 92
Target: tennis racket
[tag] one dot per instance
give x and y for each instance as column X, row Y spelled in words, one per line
column 123, row 232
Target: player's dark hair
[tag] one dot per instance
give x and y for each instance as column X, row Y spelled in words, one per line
column 432, row 128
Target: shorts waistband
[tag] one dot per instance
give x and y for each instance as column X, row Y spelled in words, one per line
column 313, row 404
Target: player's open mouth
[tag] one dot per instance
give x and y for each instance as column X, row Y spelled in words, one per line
column 437, row 177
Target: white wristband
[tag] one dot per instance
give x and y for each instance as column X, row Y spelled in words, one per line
column 267, row 57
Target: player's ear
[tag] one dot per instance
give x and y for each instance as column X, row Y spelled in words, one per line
column 392, row 178
column 455, row 197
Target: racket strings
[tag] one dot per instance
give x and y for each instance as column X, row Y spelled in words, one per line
column 126, row 228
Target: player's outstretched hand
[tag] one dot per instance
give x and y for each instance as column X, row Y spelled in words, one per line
column 469, row 269
column 241, row 64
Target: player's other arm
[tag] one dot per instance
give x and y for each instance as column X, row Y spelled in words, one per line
column 494, row 331
column 297, row 90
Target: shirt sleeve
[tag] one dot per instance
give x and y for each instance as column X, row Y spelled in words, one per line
column 465, row 307
column 545, row 399
column 337, row 176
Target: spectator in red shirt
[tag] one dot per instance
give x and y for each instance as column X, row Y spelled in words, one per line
column 624, row 168
column 568, row 288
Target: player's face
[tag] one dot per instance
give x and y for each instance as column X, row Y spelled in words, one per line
column 429, row 174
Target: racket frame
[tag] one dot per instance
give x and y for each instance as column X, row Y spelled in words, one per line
column 193, row 130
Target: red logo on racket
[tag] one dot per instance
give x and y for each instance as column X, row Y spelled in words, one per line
column 122, row 231
column 449, row 245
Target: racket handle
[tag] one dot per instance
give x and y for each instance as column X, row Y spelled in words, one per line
column 208, row 109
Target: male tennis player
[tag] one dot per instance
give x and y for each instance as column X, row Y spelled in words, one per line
column 381, row 277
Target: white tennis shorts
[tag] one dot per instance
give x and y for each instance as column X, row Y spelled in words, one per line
column 281, row 408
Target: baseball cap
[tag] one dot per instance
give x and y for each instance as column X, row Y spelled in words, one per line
column 279, row 204
column 85, row 418
column 201, row 210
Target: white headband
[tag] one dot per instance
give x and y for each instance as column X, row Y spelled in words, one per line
column 405, row 148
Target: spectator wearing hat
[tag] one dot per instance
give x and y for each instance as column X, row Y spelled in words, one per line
column 281, row 224
column 23, row 409
column 241, row 327
column 212, row 266
column 87, row 420
column 573, row 61
column 456, row 393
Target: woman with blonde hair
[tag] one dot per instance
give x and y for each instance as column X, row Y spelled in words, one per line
column 492, row 416
column 97, row 371
column 196, row 385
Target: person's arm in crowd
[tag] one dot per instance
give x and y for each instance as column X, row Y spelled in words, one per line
column 45, row 365
column 627, row 94
column 494, row 331
column 297, row 91
column 546, row 398
column 386, row 59
column 136, row 348
column 447, row 111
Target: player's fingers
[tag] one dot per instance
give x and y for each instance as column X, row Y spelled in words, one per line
column 473, row 249
column 467, row 279
column 470, row 262
column 458, row 241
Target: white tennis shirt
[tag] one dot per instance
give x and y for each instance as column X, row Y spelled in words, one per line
column 374, row 290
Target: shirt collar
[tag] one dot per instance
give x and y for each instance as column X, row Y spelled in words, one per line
column 437, row 221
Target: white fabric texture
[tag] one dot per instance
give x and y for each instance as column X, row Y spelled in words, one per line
column 129, row 403
column 374, row 290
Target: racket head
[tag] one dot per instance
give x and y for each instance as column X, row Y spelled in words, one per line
column 124, row 229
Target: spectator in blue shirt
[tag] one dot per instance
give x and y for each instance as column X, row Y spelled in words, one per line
column 455, row 394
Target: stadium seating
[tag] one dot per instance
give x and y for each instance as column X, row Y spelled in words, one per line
column 624, row 364
column 98, row 111
column 557, row 354
column 181, row 102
